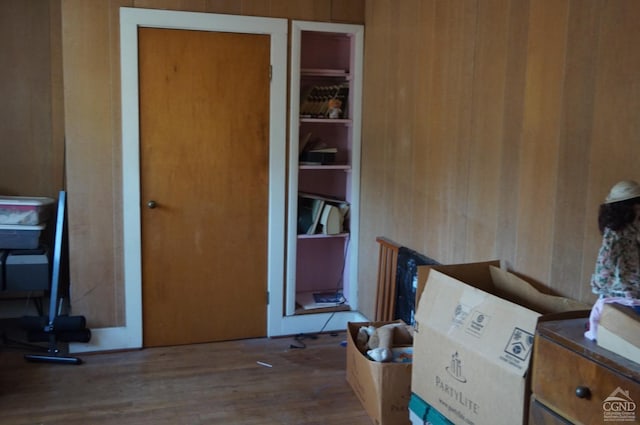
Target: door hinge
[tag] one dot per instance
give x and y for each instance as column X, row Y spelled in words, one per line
column 268, row 298
column 270, row 72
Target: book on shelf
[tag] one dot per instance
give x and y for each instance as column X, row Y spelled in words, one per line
column 320, row 101
column 304, row 142
column 315, row 151
column 320, row 156
column 309, row 212
column 331, row 220
column 321, row 214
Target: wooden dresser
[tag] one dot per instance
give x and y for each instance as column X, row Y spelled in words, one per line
column 574, row 381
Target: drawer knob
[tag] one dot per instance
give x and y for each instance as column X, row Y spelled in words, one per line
column 583, row 392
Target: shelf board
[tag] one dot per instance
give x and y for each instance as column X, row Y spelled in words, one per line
column 345, row 167
column 323, row 236
column 341, row 307
column 325, row 72
column 344, row 121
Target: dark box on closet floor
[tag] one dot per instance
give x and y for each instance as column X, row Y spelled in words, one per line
column 27, row 270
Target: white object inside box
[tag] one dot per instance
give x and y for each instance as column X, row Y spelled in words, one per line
column 391, row 342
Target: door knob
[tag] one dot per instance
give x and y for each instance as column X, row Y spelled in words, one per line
column 151, row 204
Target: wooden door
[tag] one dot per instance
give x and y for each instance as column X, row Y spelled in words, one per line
column 204, row 135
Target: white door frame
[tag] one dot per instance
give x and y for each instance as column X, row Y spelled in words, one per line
column 130, row 335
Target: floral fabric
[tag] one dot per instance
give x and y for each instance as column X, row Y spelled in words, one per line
column 617, row 272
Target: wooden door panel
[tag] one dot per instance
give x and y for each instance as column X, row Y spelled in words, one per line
column 204, row 129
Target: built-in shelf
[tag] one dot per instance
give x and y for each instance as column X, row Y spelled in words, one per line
column 326, row 65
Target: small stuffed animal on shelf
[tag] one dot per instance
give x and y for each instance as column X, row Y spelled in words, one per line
column 335, row 108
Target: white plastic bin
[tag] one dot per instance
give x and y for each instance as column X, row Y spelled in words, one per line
column 25, row 210
column 16, row 236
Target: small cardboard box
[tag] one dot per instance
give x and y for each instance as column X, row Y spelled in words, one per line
column 619, row 331
column 475, row 327
column 384, row 389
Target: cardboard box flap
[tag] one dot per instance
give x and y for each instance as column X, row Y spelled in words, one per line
column 499, row 331
column 478, row 274
column 472, row 272
column 518, row 290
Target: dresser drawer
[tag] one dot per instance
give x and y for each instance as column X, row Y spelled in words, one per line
column 539, row 414
column 575, row 386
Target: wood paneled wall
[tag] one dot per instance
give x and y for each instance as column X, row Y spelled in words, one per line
column 493, row 129
column 31, row 111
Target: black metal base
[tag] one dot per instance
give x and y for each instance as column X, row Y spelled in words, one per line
column 43, row 358
column 80, row 335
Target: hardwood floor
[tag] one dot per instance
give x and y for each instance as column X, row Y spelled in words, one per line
column 218, row 383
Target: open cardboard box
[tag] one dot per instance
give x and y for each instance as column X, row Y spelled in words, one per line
column 384, row 389
column 475, row 326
